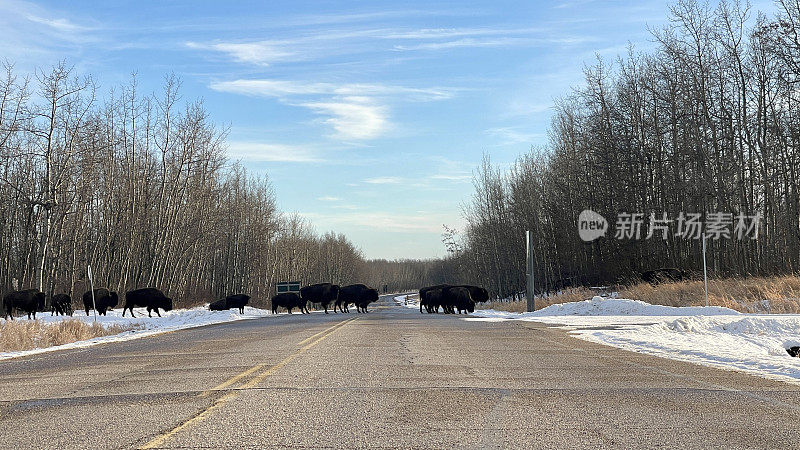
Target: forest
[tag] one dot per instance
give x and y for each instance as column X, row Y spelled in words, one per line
column 139, row 188
column 705, row 122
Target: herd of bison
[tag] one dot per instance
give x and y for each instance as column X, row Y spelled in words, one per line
column 450, row 298
column 32, row 301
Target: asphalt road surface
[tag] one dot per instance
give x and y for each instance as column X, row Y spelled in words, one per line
column 392, row 378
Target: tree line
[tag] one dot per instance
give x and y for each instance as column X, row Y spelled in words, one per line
column 138, row 187
column 708, row 121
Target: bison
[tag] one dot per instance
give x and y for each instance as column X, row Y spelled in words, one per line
column 103, row 301
column 219, row 305
column 358, row 294
column 232, row 301
column 61, row 304
column 428, row 294
column 322, row 293
column 289, row 300
column 30, row 301
column 150, row 298
column 457, row 297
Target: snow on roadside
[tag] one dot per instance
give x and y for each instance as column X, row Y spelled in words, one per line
column 714, row 336
column 177, row 319
column 406, row 300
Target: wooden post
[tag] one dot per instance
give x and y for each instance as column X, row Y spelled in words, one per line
column 530, row 292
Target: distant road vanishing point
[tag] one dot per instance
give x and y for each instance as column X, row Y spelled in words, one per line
column 392, row 378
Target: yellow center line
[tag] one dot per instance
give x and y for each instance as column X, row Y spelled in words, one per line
column 159, row 440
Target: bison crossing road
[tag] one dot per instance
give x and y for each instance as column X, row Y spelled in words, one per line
column 451, row 298
column 325, row 294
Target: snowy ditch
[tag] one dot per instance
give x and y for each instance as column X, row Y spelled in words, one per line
column 713, row 336
column 143, row 326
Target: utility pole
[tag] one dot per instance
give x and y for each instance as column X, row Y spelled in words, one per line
column 529, row 292
column 705, row 270
column 91, row 288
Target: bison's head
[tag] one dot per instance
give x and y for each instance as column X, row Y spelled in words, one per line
column 372, row 295
column 479, row 294
column 113, row 300
column 167, row 305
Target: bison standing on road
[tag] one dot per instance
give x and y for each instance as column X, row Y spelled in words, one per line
column 457, row 297
column 103, row 301
column 358, row 294
column 61, row 304
column 429, row 294
column 30, row 301
column 289, row 300
column 151, row 298
column 322, row 293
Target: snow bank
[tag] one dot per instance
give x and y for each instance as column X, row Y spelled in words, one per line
column 408, row 302
column 714, row 336
column 177, row 319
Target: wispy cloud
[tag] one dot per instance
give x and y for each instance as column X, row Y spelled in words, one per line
column 328, row 198
column 29, row 30
column 513, row 135
column 355, row 111
column 353, row 117
column 263, row 152
column 287, row 88
column 384, row 180
column 261, row 53
column 393, row 223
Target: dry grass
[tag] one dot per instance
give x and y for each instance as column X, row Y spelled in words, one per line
column 566, row 296
column 779, row 294
column 29, row 334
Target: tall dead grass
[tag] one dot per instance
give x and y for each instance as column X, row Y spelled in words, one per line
column 29, row 334
column 777, row 294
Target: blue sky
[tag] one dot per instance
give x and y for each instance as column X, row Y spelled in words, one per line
column 369, row 117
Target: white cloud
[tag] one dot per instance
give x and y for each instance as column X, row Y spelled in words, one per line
column 258, row 151
column 353, row 117
column 262, row 53
column 286, row 88
column 328, row 198
column 392, row 223
column 384, row 180
column 355, row 111
column 512, row 135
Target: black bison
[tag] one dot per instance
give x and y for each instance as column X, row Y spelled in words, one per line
column 289, row 300
column 665, row 274
column 219, row 305
column 150, row 298
column 429, row 294
column 103, row 300
column 358, row 294
column 30, row 301
column 457, row 297
column 443, row 295
column 61, row 304
column 322, row 293
column 237, row 301
column 794, row 351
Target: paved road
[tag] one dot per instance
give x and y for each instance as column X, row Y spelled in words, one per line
column 392, row 378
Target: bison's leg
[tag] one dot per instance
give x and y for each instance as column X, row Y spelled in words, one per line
column 149, row 312
column 158, row 313
column 274, row 310
column 87, row 312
